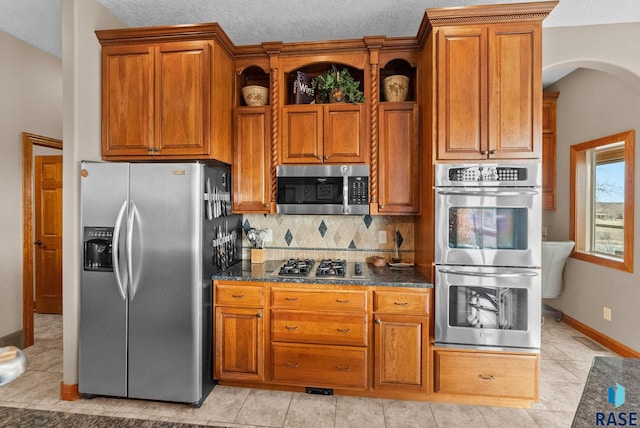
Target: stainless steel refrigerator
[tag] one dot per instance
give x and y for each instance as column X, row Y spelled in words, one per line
column 152, row 238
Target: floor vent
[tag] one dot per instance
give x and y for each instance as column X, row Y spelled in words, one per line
column 320, row 391
column 589, row 343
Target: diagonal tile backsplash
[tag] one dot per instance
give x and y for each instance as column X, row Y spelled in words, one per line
column 330, row 236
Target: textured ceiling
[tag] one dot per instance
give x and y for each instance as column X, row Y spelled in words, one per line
column 39, row 22
column 248, row 22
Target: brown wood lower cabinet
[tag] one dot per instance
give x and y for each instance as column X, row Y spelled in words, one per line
column 320, row 366
column 239, row 331
column 487, row 374
column 372, row 341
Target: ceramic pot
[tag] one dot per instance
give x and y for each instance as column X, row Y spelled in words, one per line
column 255, row 95
column 395, row 87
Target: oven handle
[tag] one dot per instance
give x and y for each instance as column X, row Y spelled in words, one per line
column 489, row 193
column 489, row 274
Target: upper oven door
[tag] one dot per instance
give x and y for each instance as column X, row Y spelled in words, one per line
column 488, row 226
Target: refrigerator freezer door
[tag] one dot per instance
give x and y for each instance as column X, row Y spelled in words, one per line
column 165, row 295
column 103, row 308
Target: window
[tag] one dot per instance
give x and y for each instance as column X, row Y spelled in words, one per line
column 602, row 200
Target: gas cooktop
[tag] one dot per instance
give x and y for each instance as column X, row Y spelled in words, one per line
column 325, row 268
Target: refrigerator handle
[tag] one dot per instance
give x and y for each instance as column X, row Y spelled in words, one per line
column 115, row 249
column 129, row 246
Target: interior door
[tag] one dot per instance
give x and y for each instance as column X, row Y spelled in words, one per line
column 48, row 236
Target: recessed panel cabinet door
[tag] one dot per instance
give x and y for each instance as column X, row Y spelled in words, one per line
column 239, row 344
column 401, row 352
column 462, row 83
column 127, row 100
column 515, row 97
column 344, row 134
column 182, row 118
column 251, row 161
column 302, row 134
column 399, row 156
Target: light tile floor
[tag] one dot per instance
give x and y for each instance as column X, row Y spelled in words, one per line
column 565, row 364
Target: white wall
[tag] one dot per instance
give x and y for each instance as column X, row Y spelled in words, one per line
column 81, row 71
column 595, row 102
column 31, row 101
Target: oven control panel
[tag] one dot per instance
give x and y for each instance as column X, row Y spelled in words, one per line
column 487, row 173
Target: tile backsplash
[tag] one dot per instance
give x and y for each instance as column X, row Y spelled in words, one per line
column 332, row 236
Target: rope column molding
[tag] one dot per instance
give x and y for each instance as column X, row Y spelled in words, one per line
column 275, row 102
column 373, row 172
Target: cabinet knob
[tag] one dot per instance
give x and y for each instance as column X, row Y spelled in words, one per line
column 484, row 152
column 326, row 158
column 493, row 152
column 258, row 315
column 149, row 149
column 381, row 207
column 266, row 205
column 155, row 149
column 378, row 321
column 319, row 157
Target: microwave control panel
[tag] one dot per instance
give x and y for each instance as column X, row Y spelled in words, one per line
column 358, row 191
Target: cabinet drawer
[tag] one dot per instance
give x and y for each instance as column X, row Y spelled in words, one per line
column 319, row 327
column 320, row 366
column 400, row 302
column 483, row 374
column 239, row 295
column 319, row 300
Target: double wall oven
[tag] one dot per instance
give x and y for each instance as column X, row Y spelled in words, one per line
column 488, row 255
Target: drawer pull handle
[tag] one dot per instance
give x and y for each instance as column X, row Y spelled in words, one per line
column 295, row 327
column 401, row 303
column 345, row 330
column 343, row 301
column 490, row 377
column 292, row 365
column 291, row 299
column 344, row 368
column 238, row 296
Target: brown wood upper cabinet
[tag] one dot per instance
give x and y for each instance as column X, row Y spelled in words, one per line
column 489, row 98
column 324, row 133
column 399, row 148
column 165, row 99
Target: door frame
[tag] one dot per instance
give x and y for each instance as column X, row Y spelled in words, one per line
column 28, row 141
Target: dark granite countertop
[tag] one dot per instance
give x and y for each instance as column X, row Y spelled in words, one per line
column 380, row 276
column 607, row 372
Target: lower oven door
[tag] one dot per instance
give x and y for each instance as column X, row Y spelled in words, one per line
column 488, row 307
column 488, row 226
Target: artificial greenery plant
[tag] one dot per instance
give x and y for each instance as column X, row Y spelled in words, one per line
column 337, row 86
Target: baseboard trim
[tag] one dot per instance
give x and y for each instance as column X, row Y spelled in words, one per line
column 69, row 392
column 614, row 345
column 13, row 339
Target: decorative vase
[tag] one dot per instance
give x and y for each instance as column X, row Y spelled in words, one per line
column 395, row 87
column 255, row 95
column 336, row 96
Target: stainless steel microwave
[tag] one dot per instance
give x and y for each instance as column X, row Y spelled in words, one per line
column 322, row 189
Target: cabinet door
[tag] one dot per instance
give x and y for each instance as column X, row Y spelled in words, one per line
column 183, row 88
column 399, row 159
column 515, row 95
column 127, row 100
column 344, row 134
column 239, row 344
column 401, row 352
column 251, row 160
column 302, row 134
column 462, row 92
column 549, row 171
